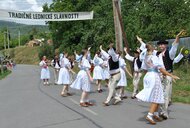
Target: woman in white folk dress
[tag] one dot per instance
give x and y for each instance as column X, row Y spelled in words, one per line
column 83, row 79
column 152, row 91
column 105, row 68
column 64, row 75
column 45, row 74
column 98, row 71
column 123, row 81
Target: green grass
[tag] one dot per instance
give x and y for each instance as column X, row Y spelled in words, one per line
column 180, row 90
column 24, row 55
column 3, row 75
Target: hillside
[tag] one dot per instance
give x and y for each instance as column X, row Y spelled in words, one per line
column 25, row 55
column 24, row 29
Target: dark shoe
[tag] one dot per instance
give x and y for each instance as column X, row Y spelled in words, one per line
column 157, row 118
column 116, row 88
column 69, row 94
column 150, row 120
column 170, row 103
column 105, row 104
column 100, row 91
column 164, row 116
column 89, row 103
column 133, row 97
column 83, row 105
column 124, row 97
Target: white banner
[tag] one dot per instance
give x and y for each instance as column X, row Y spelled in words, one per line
column 45, row 16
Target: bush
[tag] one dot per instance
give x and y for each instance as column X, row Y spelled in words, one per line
column 12, row 53
column 3, row 68
column 47, row 51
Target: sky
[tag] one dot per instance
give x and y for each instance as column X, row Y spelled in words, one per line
column 24, row 5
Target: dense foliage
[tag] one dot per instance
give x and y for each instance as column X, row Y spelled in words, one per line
column 151, row 19
column 46, row 50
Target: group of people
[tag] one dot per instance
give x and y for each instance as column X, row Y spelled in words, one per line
column 110, row 66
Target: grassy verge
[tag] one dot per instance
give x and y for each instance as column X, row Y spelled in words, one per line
column 180, row 90
column 24, row 55
column 3, row 75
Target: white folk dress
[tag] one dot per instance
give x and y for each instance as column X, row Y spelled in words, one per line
column 152, row 91
column 105, row 70
column 82, row 81
column 64, row 75
column 98, row 71
column 105, row 67
column 45, row 74
column 123, row 80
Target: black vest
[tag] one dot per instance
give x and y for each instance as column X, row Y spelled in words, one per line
column 54, row 62
column 113, row 65
column 71, row 64
column 139, row 63
column 168, row 63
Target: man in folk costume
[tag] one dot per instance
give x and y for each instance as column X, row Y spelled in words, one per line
column 114, row 70
column 136, row 70
column 167, row 57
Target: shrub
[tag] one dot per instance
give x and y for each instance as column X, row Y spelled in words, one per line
column 47, row 51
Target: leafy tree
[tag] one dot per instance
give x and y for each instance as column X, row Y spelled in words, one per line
column 82, row 33
column 151, row 19
column 46, row 50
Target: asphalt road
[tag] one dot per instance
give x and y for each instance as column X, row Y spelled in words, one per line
column 26, row 103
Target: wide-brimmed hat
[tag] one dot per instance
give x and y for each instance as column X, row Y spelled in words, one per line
column 162, row 42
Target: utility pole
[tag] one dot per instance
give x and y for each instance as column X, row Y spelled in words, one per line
column 8, row 42
column 118, row 32
column 5, row 40
column 8, row 38
column 19, row 38
column 121, row 24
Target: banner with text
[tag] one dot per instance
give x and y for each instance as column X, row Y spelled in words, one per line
column 46, row 16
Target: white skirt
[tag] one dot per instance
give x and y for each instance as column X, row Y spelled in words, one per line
column 123, row 80
column 81, row 82
column 64, row 76
column 45, row 74
column 152, row 91
column 98, row 73
column 106, row 74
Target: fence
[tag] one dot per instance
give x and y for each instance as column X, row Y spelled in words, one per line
column 184, row 42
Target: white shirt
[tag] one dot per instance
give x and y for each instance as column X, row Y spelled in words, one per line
column 178, row 58
column 131, row 58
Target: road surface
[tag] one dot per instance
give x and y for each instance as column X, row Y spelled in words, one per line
column 26, row 103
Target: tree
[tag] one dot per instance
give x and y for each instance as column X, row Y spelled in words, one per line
column 151, row 19
column 75, row 34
